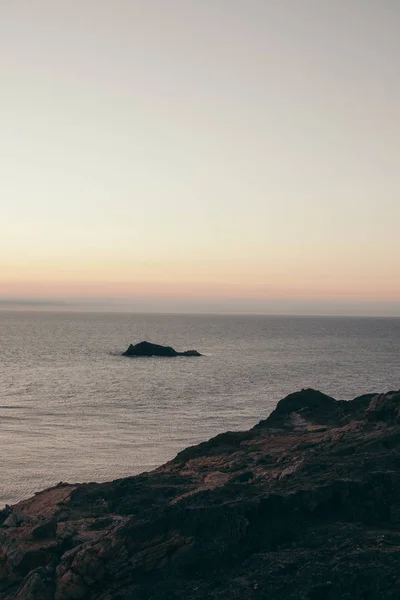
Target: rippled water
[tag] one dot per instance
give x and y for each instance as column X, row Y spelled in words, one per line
column 72, row 409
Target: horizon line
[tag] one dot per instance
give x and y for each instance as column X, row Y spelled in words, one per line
column 47, row 308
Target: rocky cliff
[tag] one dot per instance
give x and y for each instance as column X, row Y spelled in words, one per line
column 306, row 505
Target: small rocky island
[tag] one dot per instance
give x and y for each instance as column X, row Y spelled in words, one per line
column 303, row 506
column 149, row 349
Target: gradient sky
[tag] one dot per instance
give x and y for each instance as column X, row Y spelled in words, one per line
column 234, row 155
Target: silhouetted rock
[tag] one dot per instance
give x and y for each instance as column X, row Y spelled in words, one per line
column 308, row 404
column 304, row 506
column 149, row 349
column 189, row 353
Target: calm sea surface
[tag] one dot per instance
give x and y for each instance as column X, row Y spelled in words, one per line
column 72, row 409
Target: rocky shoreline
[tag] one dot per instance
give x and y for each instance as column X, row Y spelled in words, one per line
column 305, row 505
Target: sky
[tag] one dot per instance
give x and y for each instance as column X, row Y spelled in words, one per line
column 201, row 155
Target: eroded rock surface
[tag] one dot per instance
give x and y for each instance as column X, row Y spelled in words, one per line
column 306, row 505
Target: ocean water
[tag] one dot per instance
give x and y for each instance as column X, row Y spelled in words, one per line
column 72, row 409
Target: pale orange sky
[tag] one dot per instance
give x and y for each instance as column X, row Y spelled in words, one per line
column 229, row 155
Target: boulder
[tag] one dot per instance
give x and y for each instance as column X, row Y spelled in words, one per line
column 44, row 530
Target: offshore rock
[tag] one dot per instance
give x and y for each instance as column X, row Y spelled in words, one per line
column 304, row 506
column 149, row 349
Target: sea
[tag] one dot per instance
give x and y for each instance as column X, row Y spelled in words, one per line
column 73, row 409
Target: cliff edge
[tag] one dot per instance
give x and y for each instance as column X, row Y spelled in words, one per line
column 306, row 505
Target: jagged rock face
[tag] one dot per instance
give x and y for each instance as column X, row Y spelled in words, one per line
column 148, row 349
column 306, row 505
column 385, row 407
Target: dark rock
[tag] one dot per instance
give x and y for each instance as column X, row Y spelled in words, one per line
column 24, row 560
column 37, row 585
column 189, row 353
column 148, row 349
column 11, row 521
column 385, row 407
column 305, row 505
column 44, row 530
column 4, row 513
column 71, row 587
column 307, row 404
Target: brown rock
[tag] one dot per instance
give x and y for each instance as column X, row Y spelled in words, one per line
column 305, row 505
column 71, row 587
column 45, row 530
